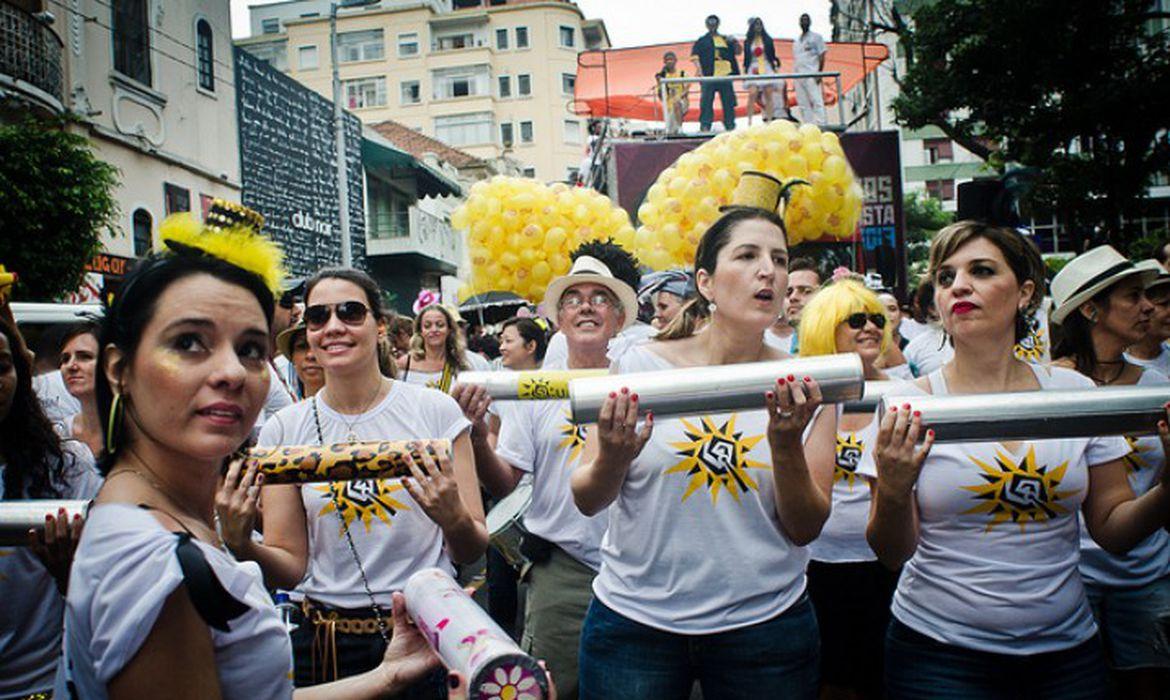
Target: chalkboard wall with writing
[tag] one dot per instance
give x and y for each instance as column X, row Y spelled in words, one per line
column 288, row 163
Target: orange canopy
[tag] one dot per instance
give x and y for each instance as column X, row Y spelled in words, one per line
column 620, row 82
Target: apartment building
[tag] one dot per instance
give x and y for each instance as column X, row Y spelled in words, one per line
column 493, row 79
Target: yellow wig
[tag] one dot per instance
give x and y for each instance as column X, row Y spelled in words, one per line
column 829, row 308
column 239, row 244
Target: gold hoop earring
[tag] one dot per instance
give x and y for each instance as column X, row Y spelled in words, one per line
column 114, row 424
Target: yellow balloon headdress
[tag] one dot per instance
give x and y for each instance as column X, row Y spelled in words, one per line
column 232, row 234
column 7, row 280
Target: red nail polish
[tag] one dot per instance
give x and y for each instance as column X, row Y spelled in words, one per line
column 613, row 394
column 48, row 518
column 625, row 389
column 770, row 395
column 906, row 406
column 917, row 414
column 807, row 379
column 930, row 433
column 791, row 378
column 650, row 416
column 633, row 397
column 782, row 382
column 893, row 409
column 76, row 517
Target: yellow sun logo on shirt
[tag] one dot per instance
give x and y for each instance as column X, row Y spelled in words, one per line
column 573, row 437
column 1022, row 493
column 1032, row 347
column 849, row 451
column 1134, row 461
column 716, row 457
column 362, row 500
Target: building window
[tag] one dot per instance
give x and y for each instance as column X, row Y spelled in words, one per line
column 529, row 171
column 270, row 25
column 365, row 92
column 942, row 190
column 143, row 232
column 389, row 212
column 407, row 45
column 939, row 150
column 525, row 132
column 507, row 138
column 453, row 42
column 131, row 34
column 462, row 81
column 521, row 37
column 205, row 55
column 177, row 198
column 360, row 46
column 411, row 92
column 274, row 52
column 568, row 83
column 307, row 58
column 505, row 82
column 502, row 39
column 572, row 131
column 568, row 37
column 464, row 129
column 524, row 85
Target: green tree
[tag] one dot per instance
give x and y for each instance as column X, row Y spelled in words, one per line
column 1079, row 90
column 924, row 217
column 56, row 198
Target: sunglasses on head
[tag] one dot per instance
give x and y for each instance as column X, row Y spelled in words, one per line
column 351, row 313
column 857, row 321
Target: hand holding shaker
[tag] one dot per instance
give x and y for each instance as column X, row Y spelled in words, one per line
column 470, row 642
column 18, row 517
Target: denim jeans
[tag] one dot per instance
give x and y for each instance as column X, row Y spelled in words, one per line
column 707, row 105
column 624, row 660
column 920, row 668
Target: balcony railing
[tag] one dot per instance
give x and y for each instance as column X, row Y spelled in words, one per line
column 415, row 231
column 30, row 52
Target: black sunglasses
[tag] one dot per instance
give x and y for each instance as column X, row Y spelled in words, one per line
column 857, row 321
column 351, row 313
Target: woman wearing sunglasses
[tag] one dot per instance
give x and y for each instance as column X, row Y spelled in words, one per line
column 849, row 588
column 990, row 603
column 437, row 352
column 347, row 546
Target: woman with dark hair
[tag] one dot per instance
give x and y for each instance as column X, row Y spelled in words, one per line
column 78, row 363
column 437, row 352
column 157, row 607
column 347, row 546
column 522, row 343
column 35, row 463
column 293, row 344
column 1103, row 307
column 710, row 514
column 990, row 602
column 759, row 58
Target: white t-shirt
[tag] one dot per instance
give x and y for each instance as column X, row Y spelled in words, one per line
column 1150, row 559
column 431, row 380
column 1160, row 363
column 843, row 537
column 32, row 611
column 557, row 353
column 55, row 398
column 278, row 394
column 931, row 350
column 783, row 344
column 911, row 329
column 538, row 437
column 694, row 544
column 998, row 539
column 123, row 573
column 393, row 536
column 807, row 51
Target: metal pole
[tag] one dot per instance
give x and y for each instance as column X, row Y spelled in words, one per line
column 840, row 100
column 339, row 130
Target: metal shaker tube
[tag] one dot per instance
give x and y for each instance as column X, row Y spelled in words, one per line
column 1039, row 415
column 18, row 517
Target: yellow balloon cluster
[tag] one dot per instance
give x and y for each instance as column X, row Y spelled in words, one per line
column 686, row 197
column 521, row 231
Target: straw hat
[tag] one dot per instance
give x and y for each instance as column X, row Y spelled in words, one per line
column 1162, row 278
column 589, row 269
column 284, row 339
column 757, row 190
column 1089, row 273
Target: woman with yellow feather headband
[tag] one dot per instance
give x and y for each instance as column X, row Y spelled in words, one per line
column 157, row 607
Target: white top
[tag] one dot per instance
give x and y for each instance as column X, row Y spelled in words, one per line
column 538, row 437
column 807, row 51
column 55, row 398
column 930, row 349
column 393, row 536
column 557, row 352
column 123, row 573
column 910, row 329
column 1160, row 363
column 1150, row 559
column 694, row 544
column 998, row 540
column 278, row 394
column 843, row 537
column 787, row 344
column 30, row 618
column 430, row 380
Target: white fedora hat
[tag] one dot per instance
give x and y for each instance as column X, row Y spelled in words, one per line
column 1089, row 273
column 589, row 269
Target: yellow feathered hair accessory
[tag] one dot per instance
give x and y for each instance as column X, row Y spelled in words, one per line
column 232, row 234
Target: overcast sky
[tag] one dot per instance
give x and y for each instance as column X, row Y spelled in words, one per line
column 639, row 22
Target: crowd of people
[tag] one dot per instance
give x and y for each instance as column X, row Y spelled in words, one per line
column 799, row 550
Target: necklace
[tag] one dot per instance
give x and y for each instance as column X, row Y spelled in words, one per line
column 217, row 541
column 350, row 435
column 1115, row 377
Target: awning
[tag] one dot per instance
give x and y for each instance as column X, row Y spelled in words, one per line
column 620, row 82
column 379, row 153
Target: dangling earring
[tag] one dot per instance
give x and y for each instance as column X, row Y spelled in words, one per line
column 711, row 308
column 114, row 424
